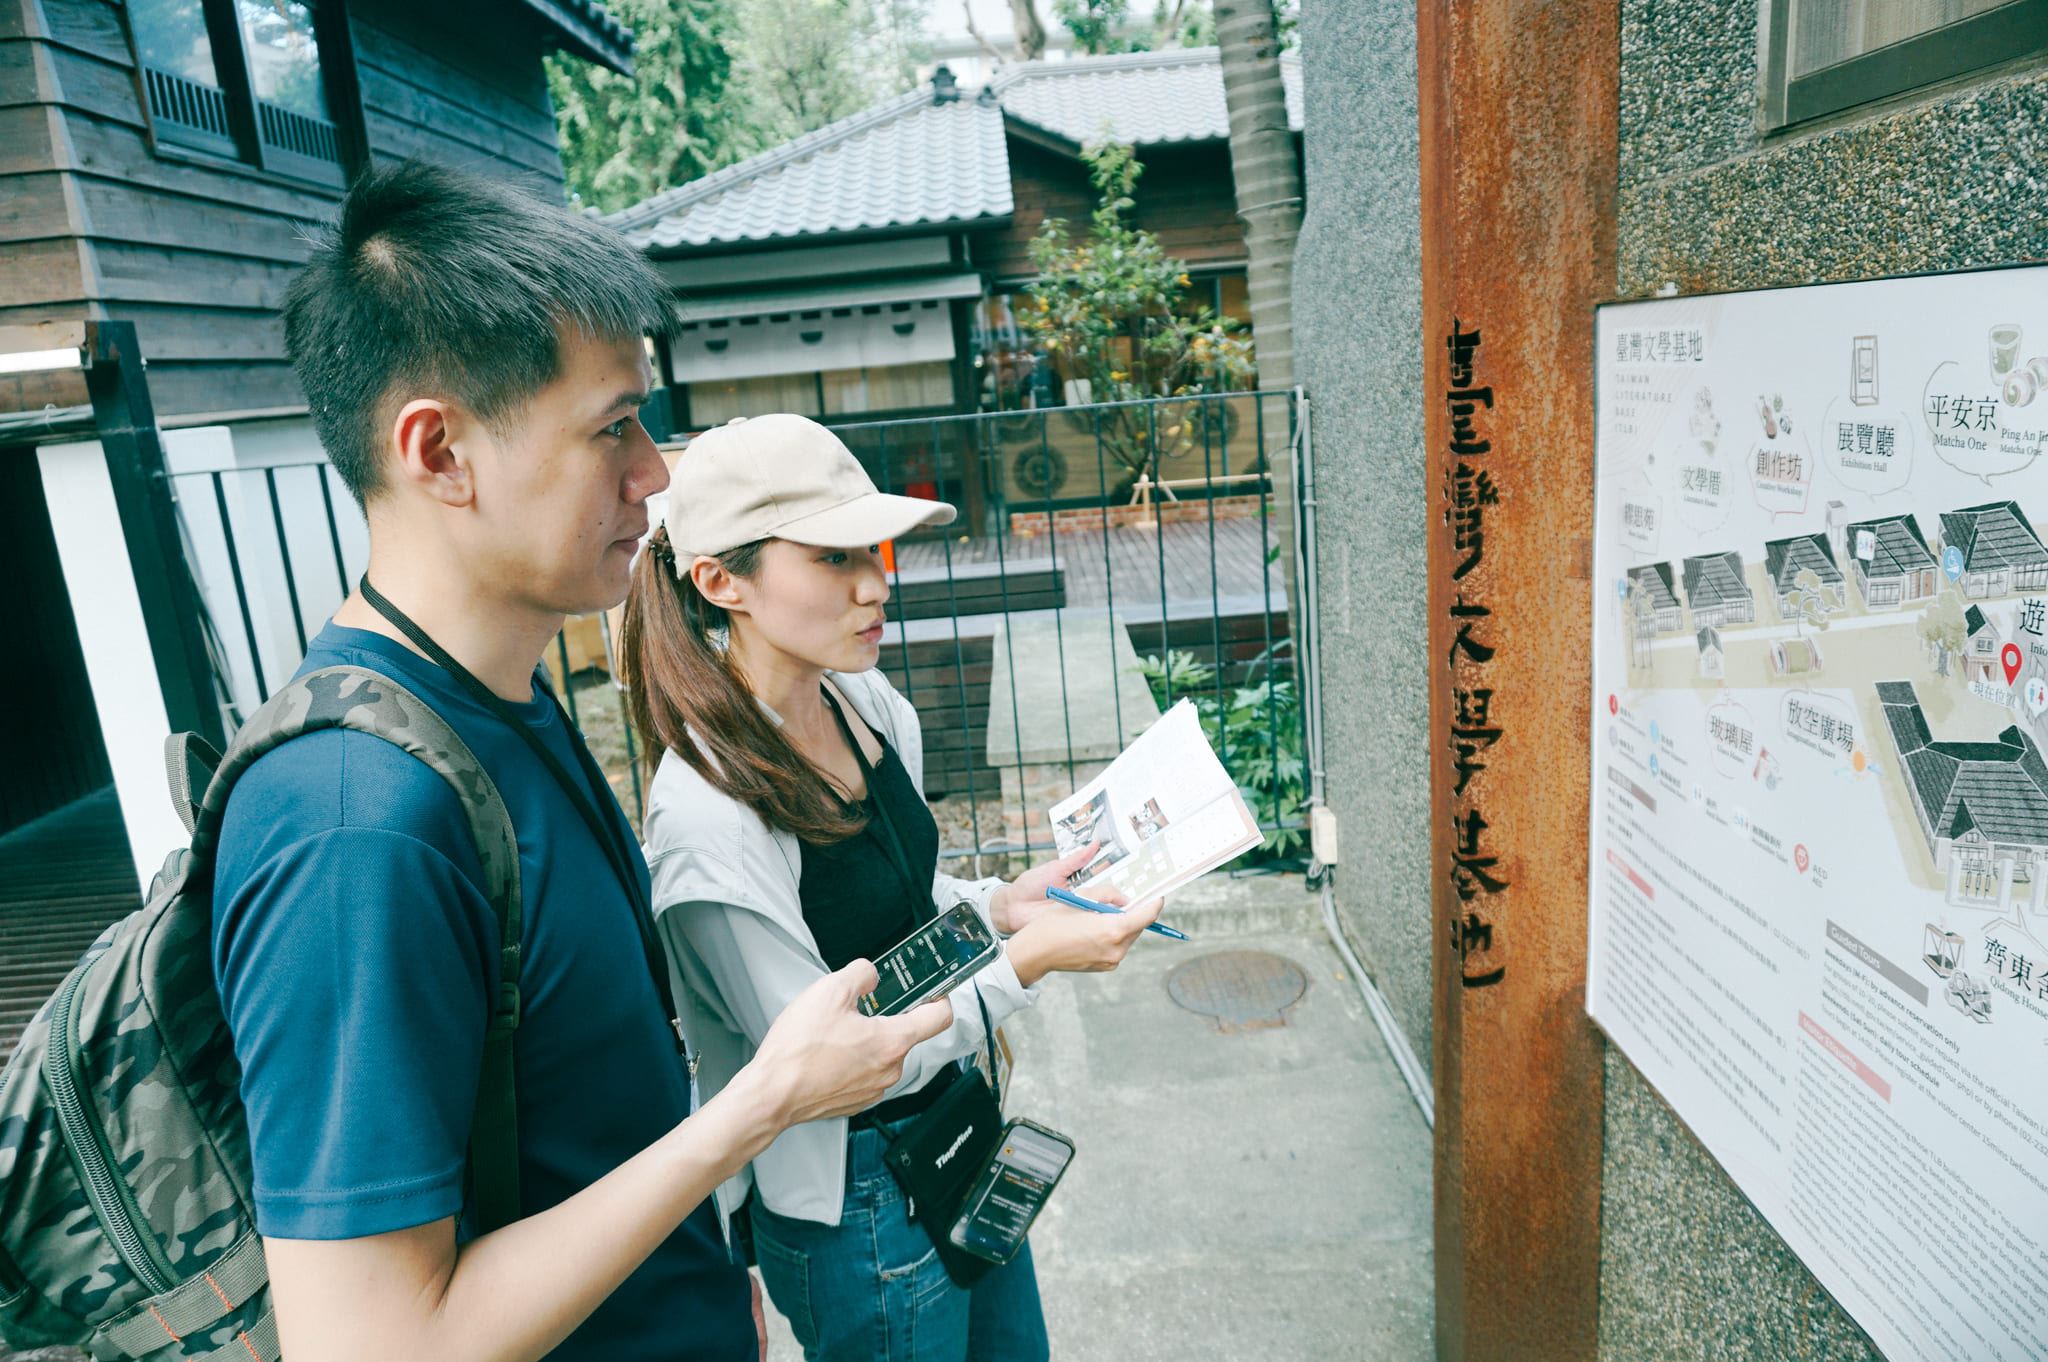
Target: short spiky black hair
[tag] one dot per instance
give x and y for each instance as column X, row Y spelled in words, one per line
column 436, row 282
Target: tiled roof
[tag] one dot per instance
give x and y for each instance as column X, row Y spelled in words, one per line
column 1973, row 620
column 1654, row 579
column 1145, row 98
column 902, row 163
column 1900, row 549
column 1998, row 788
column 1785, row 559
column 589, row 30
column 1709, row 638
column 1714, row 579
column 1992, row 536
column 913, row 160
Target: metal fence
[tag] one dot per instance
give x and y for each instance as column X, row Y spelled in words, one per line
column 1110, row 561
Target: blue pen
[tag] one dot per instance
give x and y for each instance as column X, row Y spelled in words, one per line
column 1069, row 897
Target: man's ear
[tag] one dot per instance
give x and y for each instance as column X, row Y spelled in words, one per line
column 714, row 583
column 428, row 433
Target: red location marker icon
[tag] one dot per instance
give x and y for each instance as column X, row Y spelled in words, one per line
column 2010, row 656
column 1800, row 858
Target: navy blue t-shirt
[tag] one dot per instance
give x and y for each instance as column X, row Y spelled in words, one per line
column 357, row 955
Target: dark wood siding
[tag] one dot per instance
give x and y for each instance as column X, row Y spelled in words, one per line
column 198, row 252
column 1185, row 197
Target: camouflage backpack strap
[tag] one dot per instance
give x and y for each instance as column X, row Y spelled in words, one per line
column 366, row 701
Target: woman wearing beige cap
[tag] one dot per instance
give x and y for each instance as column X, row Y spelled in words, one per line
column 788, row 836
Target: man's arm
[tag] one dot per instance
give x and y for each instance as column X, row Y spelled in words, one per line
column 514, row 1294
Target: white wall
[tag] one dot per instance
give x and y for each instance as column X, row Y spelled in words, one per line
column 108, row 613
column 118, row 662
column 246, row 459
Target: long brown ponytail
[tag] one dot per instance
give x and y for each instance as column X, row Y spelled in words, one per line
column 686, row 697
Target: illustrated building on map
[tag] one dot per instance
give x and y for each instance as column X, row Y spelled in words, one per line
column 1980, row 645
column 1711, row 658
column 1982, row 806
column 2032, row 670
column 1785, row 559
column 2001, row 553
column 1899, row 569
column 1652, row 583
column 1715, row 591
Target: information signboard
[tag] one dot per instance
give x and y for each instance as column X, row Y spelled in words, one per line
column 1820, row 796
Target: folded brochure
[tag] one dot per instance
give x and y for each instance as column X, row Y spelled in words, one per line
column 1164, row 813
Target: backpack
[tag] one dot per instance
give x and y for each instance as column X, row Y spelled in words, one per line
column 127, row 1219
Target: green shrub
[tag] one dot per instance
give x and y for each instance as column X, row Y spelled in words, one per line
column 1256, row 731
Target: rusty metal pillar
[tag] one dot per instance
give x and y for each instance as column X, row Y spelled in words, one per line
column 1518, row 102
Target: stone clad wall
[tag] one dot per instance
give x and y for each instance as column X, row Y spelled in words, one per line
column 1949, row 179
column 1358, row 329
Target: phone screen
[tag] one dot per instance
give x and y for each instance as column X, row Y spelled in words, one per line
column 1010, row 1192
column 937, row 955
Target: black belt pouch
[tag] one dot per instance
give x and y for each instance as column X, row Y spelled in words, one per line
column 936, row 1160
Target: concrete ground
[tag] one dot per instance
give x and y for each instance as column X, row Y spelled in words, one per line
column 1261, row 1194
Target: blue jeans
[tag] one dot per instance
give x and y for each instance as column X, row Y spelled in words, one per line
column 872, row 1288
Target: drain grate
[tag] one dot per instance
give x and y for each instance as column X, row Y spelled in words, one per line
column 1241, row 990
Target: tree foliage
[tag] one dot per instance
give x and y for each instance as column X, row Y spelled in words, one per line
column 799, row 63
column 1103, row 27
column 718, row 80
column 627, row 137
column 1112, row 308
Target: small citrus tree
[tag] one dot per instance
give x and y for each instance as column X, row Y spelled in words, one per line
column 1111, row 308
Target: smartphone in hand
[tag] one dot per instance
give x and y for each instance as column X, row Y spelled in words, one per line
column 931, row 961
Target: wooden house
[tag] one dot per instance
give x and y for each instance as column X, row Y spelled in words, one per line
column 871, row 269
column 161, row 162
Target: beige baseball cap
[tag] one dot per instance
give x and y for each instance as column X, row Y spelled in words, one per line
column 781, row 477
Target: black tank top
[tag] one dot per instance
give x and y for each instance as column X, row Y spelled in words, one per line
column 857, row 899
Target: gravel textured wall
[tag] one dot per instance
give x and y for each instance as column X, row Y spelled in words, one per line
column 1949, row 179
column 1358, row 328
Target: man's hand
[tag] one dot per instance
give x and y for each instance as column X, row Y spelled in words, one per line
column 823, row 1058
column 1076, row 940
column 1013, row 906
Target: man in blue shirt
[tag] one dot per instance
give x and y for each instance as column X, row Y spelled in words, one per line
column 473, row 360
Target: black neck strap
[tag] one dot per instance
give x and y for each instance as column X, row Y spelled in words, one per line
column 607, row 831
column 892, row 844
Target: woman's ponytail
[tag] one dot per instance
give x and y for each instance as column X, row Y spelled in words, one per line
column 685, row 697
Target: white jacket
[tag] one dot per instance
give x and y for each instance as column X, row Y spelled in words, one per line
column 726, row 907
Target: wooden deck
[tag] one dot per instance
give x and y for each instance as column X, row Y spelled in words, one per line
column 63, row 879
column 1121, row 566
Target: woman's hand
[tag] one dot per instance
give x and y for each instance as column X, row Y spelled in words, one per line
column 1013, row 906
column 1076, row 940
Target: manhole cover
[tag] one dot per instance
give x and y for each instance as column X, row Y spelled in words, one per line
column 1242, row 990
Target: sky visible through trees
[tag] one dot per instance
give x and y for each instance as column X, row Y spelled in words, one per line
column 716, row 81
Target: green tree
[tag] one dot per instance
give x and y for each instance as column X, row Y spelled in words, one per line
column 625, row 138
column 1102, row 27
column 807, row 62
column 1112, row 308
column 1099, row 26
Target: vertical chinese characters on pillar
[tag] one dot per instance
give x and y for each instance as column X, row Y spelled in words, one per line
column 1470, row 489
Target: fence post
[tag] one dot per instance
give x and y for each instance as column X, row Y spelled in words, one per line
column 171, row 613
